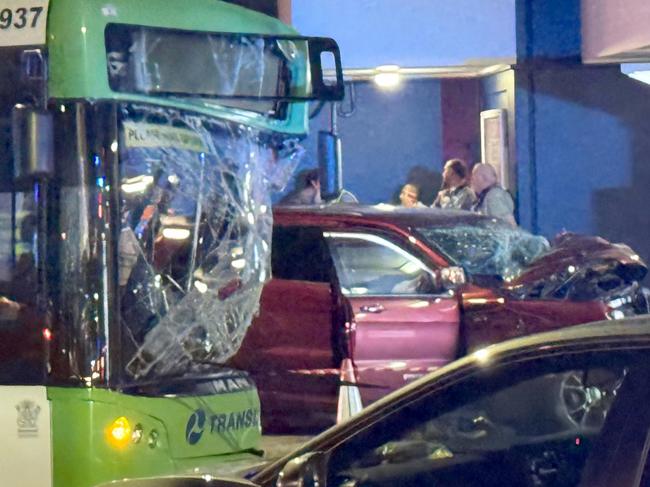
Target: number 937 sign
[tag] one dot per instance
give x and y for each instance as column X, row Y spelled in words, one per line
column 22, row 22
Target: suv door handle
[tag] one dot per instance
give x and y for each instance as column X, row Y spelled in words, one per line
column 372, row 308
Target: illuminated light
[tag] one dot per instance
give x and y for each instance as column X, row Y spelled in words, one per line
column 387, row 77
column 173, row 179
column 201, row 286
column 84, row 30
column 477, row 301
column 251, row 218
column 152, row 441
column 263, row 208
column 385, row 207
column 397, row 365
column 635, row 257
column 411, row 267
column 138, row 184
column 419, row 304
column 114, row 146
column 64, row 236
column 96, row 296
column 138, row 433
column 501, row 300
column 359, row 290
column 571, row 269
column 172, row 233
column 577, row 441
column 238, row 263
column 62, row 108
column 95, row 375
column 482, row 355
column 236, row 252
column 412, row 239
column 642, row 76
column 118, row 434
column 616, row 314
column 47, row 334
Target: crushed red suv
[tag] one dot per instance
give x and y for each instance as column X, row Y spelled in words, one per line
column 387, row 294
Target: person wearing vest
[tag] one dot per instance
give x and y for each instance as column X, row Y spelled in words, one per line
column 456, row 192
column 491, row 199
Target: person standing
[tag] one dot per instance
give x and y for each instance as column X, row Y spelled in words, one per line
column 456, row 192
column 491, row 199
column 308, row 194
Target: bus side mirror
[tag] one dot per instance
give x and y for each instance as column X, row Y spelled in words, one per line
column 33, row 142
column 330, row 164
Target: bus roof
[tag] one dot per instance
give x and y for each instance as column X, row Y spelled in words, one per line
column 77, row 53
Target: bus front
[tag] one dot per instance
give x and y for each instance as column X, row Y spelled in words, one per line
column 141, row 142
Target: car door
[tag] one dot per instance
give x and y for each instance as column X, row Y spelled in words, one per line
column 404, row 323
column 288, row 348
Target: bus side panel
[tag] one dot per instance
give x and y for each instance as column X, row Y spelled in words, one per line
column 25, row 456
column 172, row 434
column 83, row 455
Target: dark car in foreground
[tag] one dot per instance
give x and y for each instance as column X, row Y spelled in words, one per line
column 555, row 409
column 379, row 296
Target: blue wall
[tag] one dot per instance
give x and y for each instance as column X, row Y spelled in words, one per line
column 412, row 33
column 590, row 130
column 582, row 133
column 392, row 138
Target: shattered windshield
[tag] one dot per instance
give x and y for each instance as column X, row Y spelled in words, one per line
column 194, row 246
column 487, row 248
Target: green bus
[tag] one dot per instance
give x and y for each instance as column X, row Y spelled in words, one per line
column 141, row 141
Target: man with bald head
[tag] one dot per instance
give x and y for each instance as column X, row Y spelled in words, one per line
column 491, row 199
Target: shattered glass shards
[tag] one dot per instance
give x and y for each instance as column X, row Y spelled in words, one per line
column 194, row 249
column 487, row 249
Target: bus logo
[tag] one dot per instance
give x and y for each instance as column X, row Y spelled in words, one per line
column 195, row 427
column 27, row 418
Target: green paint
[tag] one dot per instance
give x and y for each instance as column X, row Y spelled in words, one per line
column 82, row 457
column 77, row 67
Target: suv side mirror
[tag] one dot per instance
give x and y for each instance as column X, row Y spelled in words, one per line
column 33, row 142
column 452, row 277
column 305, row 470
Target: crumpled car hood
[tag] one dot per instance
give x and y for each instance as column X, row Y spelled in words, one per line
column 580, row 267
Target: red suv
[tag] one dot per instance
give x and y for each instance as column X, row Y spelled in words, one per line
column 401, row 292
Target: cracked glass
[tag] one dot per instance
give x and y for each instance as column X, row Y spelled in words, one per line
column 194, row 245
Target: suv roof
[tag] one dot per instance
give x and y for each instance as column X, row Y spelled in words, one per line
column 378, row 214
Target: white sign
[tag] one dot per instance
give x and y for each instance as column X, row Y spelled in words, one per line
column 23, row 22
column 26, row 444
column 149, row 135
column 494, row 143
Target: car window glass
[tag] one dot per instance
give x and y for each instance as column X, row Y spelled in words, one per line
column 300, row 254
column 371, row 265
column 536, row 431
